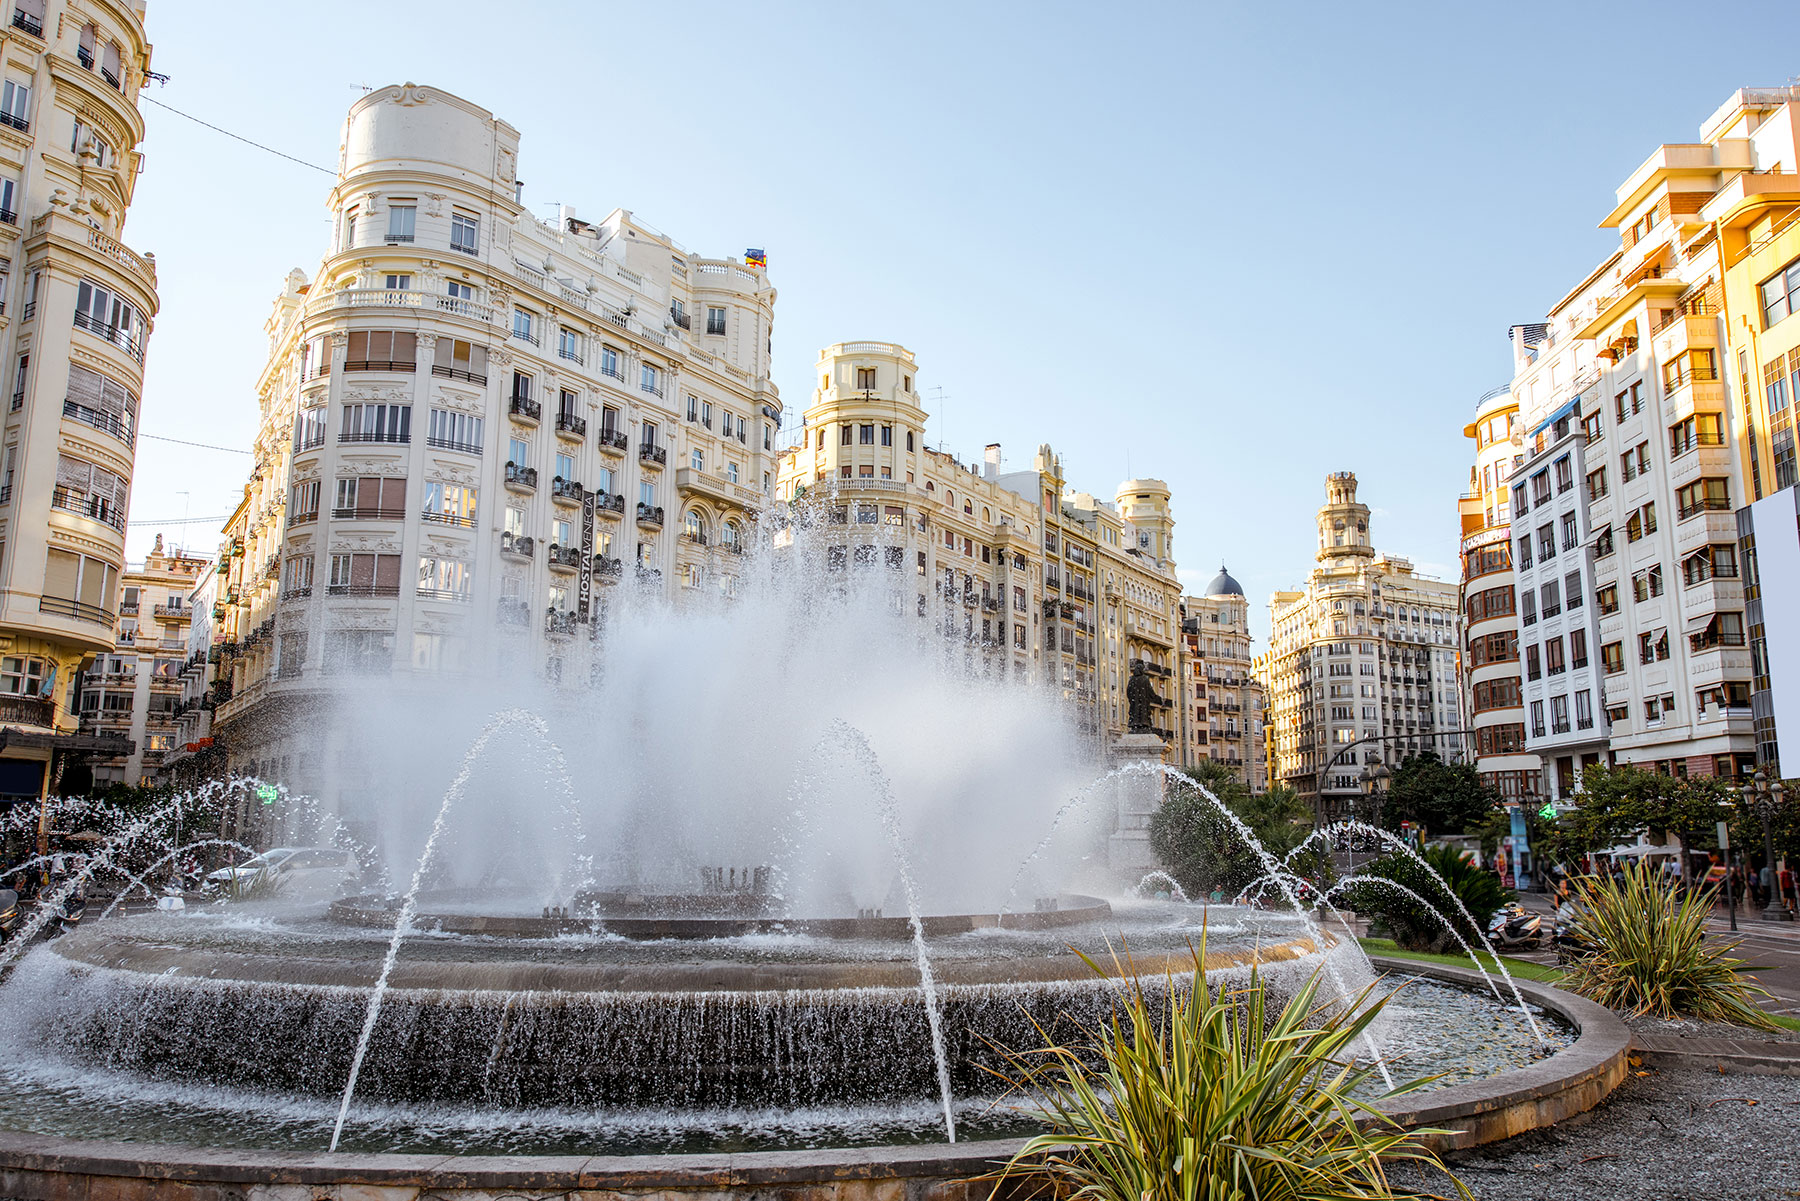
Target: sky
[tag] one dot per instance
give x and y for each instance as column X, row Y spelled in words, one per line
column 1235, row 247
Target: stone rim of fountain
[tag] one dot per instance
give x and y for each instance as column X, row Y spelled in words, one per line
column 38, row 1168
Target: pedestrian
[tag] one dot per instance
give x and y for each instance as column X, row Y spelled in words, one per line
column 1786, row 879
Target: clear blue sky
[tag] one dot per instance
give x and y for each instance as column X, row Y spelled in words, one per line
column 1235, row 247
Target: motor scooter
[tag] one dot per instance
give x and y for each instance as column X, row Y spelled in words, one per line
column 1513, row 927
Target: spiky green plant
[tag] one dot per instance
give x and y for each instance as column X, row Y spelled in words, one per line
column 1649, row 957
column 1200, row 1096
column 263, row 885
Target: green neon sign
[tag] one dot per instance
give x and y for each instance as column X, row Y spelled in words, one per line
column 266, row 793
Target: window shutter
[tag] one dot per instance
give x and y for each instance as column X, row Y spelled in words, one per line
column 393, row 495
column 387, row 571
column 110, row 60
column 61, row 570
column 85, row 387
column 406, row 347
column 478, row 358
column 359, row 346
column 444, row 353
column 95, row 577
column 73, row 473
column 362, row 571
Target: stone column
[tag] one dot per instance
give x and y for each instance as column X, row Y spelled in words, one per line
column 1136, row 797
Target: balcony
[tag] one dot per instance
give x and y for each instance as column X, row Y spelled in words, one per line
column 111, row 333
column 100, row 419
column 361, row 590
column 368, row 513
column 173, row 612
column 523, row 408
column 651, row 515
column 612, row 441
column 681, row 319
column 514, row 611
column 467, row 448
column 21, row 711
column 437, row 518
column 30, row 24
column 92, row 507
column 652, row 456
column 560, row 557
column 688, row 481
column 521, row 479
column 517, row 545
column 559, row 622
column 609, row 504
column 608, row 569
column 568, row 425
column 566, row 491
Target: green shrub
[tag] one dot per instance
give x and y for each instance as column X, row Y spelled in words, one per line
column 1198, row 1096
column 1650, row 957
column 1408, row 922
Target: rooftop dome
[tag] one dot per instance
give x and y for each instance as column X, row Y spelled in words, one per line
column 1223, row 585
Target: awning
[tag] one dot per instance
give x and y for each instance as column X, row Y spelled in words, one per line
column 1700, row 624
column 1568, row 409
column 1639, row 850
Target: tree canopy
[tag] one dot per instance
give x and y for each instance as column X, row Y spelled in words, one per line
column 1444, row 798
column 1201, row 849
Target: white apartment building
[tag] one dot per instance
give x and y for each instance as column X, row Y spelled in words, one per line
column 1361, row 668
column 471, row 417
column 1566, row 726
column 1639, row 344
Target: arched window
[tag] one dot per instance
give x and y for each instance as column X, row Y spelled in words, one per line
column 693, row 526
column 730, row 538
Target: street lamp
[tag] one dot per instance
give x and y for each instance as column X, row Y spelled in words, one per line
column 1374, row 784
column 1767, row 796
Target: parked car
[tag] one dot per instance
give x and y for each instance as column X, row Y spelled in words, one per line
column 300, row 873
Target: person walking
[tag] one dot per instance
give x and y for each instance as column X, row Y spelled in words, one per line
column 1786, row 880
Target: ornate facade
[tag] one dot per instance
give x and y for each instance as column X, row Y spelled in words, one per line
column 76, row 308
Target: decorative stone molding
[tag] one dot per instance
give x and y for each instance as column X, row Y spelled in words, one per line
column 378, row 393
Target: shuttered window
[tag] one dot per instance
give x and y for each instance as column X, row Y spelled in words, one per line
column 101, row 402
column 453, row 359
column 382, row 350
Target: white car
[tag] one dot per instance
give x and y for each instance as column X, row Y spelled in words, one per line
column 297, row 873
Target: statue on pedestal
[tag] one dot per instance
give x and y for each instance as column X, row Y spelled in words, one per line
column 1140, row 694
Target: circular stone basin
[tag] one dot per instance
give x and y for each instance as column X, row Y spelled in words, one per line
column 722, row 1014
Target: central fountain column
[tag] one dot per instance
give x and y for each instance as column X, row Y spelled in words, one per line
column 1136, row 798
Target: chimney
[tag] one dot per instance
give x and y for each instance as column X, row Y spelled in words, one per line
column 990, row 468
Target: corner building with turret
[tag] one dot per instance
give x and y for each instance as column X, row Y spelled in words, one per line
column 472, row 419
column 1361, row 667
column 1029, row 576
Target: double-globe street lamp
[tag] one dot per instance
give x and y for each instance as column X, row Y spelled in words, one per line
column 1765, row 796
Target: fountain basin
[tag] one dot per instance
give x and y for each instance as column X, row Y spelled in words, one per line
column 41, row 1168
column 811, row 1016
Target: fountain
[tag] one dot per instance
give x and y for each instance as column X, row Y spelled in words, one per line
column 673, row 910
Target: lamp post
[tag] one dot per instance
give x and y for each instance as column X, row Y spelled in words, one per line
column 1767, row 796
column 1374, row 785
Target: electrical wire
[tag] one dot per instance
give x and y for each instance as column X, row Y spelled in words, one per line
column 230, row 450
column 181, row 520
column 246, row 141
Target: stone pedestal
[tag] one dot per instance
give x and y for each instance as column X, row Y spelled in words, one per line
column 1136, row 797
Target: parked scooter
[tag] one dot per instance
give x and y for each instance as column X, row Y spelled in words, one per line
column 1512, row 927
column 9, row 913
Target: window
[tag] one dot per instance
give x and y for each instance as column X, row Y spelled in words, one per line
column 866, row 435
column 1590, row 426
column 1572, row 590
column 458, row 291
column 96, row 400
column 650, row 380
column 524, row 325
column 398, row 283
column 647, row 436
column 1700, row 429
column 370, row 497
column 518, row 452
column 90, row 490
column 697, row 459
column 309, row 429
column 459, row 361
column 1554, row 664
column 22, row 675
column 1533, row 667
column 1540, row 488
column 568, row 344
column 79, row 586
column 382, row 350
column 1709, row 562
column 610, row 363
column 1634, row 462
column 731, row 472
column 15, row 105
column 1559, row 715
column 454, row 431
column 1697, row 363
column 1584, row 710
column 1642, row 523
column 865, row 378
column 647, row 493
column 360, row 652
column 1606, row 599
column 715, row 320
column 1712, row 493
column 1525, row 551
column 450, row 504
column 465, row 232
column 1596, row 482
column 1630, row 401
column 1552, row 599
column 1725, row 629
column 400, row 222
column 297, row 575
column 107, row 316
column 1612, row 657
column 1653, row 646
column 1565, row 474
column 1537, row 719
column 1528, row 606
column 887, row 435
column 376, row 423
column 1546, row 536
column 303, row 504
column 1578, row 653
column 444, row 579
